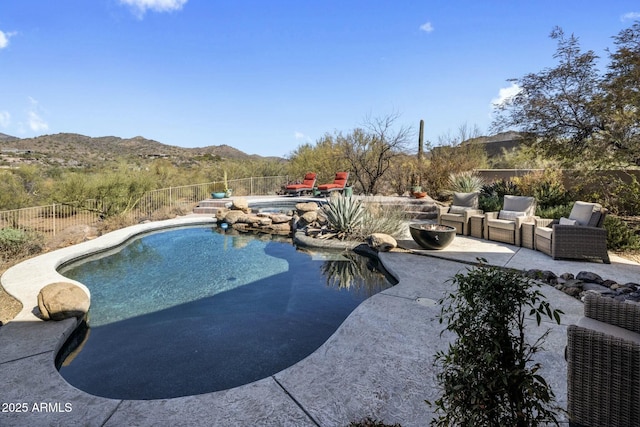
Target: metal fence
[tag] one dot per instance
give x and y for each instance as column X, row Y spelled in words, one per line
column 51, row 219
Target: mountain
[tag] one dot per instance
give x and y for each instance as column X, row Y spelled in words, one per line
column 70, row 149
column 495, row 145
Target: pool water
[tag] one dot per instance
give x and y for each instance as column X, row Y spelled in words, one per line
column 193, row 310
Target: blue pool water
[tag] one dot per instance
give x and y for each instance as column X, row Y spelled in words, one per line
column 192, row 310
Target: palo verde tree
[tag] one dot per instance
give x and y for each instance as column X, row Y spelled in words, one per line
column 573, row 108
column 369, row 150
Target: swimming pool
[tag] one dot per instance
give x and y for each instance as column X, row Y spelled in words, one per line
column 193, row 310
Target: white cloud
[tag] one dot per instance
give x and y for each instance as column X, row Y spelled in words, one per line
column 5, row 119
column 630, row 16
column 506, row 93
column 141, row 6
column 426, row 27
column 301, row 136
column 4, row 39
column 36, row 123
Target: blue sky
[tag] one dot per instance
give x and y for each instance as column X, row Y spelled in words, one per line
column 266, row 76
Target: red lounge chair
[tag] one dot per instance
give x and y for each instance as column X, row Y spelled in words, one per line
column 338, row 184
column 307, row 185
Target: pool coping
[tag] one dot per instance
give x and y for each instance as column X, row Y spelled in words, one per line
column 376, row 364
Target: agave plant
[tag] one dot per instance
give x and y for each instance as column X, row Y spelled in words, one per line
column 465, row 182
column 344, row 215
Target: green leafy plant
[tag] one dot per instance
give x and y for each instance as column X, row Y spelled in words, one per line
column 619, row 235
column 491, row 195
column 344, row 215
column 488, row 375
column 465, row 182
column 382, row 218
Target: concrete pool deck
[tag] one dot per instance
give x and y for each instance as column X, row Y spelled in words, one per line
column 378, row 364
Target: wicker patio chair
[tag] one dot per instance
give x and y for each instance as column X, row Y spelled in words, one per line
column 504, row 226
column 581, row 236
column 463, row 206
column 603, row 355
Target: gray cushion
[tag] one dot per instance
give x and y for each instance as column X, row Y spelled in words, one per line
column 510, row 215
column 520, row 204
column 545, row 232
column 583, row 211
column 567, row 221
column 468, row 200
column 458, row 209
column 609, row 329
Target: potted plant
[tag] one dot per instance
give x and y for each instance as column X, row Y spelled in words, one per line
column 226, row 191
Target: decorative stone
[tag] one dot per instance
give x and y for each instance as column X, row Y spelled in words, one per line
column 232, row 217
column 306, row 207
column 309, row 216
column 221, row 213
column 240, row 204
column 381, row 242
column 587, row 276
column 280, row 218
column 59, row 301
column 567, row 276
column 572, row 291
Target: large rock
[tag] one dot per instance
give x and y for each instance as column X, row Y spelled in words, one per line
column 231, row 217
column 59, row 301
column 240, row 204
column 309, row 217
column 306, row 207
column 381, row 242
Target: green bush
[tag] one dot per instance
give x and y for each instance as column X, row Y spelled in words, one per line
column 619, row 235
column 554, row 212
column 488, row 376
column 546, row 186
column 491, row 195
column 15, row 243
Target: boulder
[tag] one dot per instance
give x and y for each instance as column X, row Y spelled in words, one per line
column 309, row 217
column 59, row 301
column 381, row 242
column 306, row 207
column 231, row 217
column 240, row 204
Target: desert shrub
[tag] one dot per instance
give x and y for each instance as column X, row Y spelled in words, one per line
column 465, row 182
column 554, row 212
column 491, row 195
column 625, row 197
column 15, row 243
column 382, row 218
column 546, row 186
column 619, row 235
column 488, row 376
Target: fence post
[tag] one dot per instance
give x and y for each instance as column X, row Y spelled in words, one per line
column 54, row 218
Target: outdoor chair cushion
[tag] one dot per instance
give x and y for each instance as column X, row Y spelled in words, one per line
column 520, row 204
column 504, row 224
column 465, row 200
column 586, row 213
column 567, row 221
column 510, row 215
column 340, row 181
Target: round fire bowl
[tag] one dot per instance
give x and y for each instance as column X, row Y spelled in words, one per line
column 432, row 236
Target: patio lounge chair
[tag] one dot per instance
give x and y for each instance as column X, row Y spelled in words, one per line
column 338, row 184
column 307, row 185
column 457, row 215
column 603, row 355
column 581, row 236
column 505, row 226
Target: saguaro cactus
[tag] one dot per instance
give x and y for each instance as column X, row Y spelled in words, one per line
column 421, row 141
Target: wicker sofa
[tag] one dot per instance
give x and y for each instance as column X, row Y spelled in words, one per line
column 463, row 206
column 581, row 236
column 603, row 356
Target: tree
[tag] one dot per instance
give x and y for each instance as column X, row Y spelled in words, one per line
column 555, row 107
column 572, row 109
column 369, row 151
column 621, row 102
